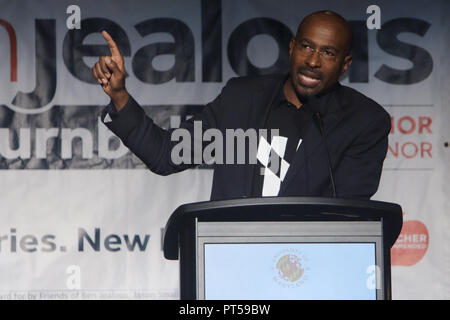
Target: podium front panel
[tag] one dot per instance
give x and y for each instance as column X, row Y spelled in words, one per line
column 289, row 260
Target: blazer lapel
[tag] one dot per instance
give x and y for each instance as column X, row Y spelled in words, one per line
column 262, row 100
column 332, row 112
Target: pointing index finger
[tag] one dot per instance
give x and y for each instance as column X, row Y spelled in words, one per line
column 111, row 44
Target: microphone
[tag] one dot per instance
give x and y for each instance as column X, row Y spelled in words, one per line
column 317, row 117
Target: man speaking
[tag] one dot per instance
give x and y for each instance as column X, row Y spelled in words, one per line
column 332, row 140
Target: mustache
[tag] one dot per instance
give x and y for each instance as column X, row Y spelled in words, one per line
column 310, row 72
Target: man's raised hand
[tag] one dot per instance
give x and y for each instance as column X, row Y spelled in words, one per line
column 109, row 71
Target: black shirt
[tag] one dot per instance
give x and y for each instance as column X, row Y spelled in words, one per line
column 291, row 123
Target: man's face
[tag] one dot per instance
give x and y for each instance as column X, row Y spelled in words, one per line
column 318, row 56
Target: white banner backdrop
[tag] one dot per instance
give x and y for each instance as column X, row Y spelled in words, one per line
column 81, row 218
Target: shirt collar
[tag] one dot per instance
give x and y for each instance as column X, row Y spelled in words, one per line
column 280, row 97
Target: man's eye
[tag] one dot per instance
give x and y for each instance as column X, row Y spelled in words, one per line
column 329, row 53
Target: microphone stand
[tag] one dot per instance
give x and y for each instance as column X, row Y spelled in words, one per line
column 318, row 118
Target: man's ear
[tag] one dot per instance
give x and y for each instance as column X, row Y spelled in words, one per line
column 291, row 46
column 346, row 64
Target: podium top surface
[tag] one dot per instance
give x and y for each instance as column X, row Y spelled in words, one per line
column 283, row 209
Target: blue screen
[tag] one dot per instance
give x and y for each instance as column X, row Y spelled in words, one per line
column 290, row 271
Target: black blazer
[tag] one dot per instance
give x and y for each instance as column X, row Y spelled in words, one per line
column 356, row 127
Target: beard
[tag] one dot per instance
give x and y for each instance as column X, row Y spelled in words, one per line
column 304, row 92
column 302, row 80
column 304, row 95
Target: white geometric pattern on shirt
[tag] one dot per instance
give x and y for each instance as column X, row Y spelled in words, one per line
column 275, row 166
column 107, row 118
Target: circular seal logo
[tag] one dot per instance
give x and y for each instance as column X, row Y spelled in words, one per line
column 289, row 267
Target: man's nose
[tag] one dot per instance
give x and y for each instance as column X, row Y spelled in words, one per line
column 313, row 60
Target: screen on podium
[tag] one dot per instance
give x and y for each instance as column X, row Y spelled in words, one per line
column 290, row 271
column 295, row 260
